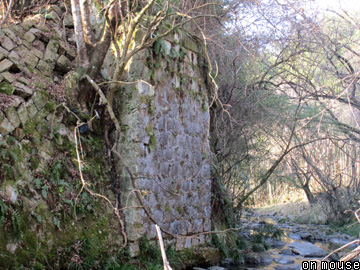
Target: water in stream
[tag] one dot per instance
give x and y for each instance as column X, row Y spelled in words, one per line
column 310, row 242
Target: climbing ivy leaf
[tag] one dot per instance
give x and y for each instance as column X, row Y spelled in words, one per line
column 38, row 218
column 44, row 193
column 57, row 222
column 38, row 183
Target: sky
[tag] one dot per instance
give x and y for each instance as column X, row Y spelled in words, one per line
column 348, row 5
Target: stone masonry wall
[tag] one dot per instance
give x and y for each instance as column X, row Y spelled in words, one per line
column 33, row 58
column 39, row 181
column 165, row 129
column 164, row 140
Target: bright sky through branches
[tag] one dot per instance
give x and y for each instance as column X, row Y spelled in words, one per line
column 347, row 5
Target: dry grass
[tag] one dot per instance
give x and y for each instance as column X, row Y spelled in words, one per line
column 299, row 212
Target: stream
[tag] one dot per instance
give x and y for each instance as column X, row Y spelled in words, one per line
column 300, row 243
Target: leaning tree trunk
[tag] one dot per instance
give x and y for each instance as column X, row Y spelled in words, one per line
column 79, row 36
column 310, row 197
column 91, row 52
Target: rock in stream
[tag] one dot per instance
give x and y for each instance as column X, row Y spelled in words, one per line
column 307, row 249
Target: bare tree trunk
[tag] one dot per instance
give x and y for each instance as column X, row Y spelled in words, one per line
column 7, row 12
column 305, row 185
column 309, row 194
column 79, row 36
column 89, row 36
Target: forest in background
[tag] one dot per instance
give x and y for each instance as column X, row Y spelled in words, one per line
column 286, row 124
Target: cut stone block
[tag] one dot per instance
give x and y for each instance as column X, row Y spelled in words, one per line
column 46, row 149
column 40, row 116
column 17, row 29
column 5, row 65
column 6, row 43
column 10, row 34
column 16, row 101
column 31, row 108
column 23, row 80
column 55, row 8
column 22, row 90
column 59, row 33
column 40, row 22
column 53, row 16
column 19, row 134
column 40, row 98
column 27, row 44
column 6, row 88
column 8, row 77
column 29, row 37
column 36, row 137
column 40, row 84
column 31, row 60
column 3, row 51
column 53, row 46
column 39, row 45
column 70, row 53
column 15, row 58
column 40, row 35
column 72, row 39
column 13, row 116
column 22, row 51
column 6, row 127
column 23, row 114
column 68, row 20
column 45, row 68
column 51, row 55
column 50, row 106
column 63, row 64
column 37, row 52
column 43, row 127
column 54, row 119
column 67, row 50
column 27, row 24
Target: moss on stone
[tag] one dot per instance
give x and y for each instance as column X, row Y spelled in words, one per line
column 30, row 69
column 180, row 210
column 50, row 106
column 204, row 107
column 6, row 88
column 149, row 101
column 34, row 162
column 158, row 47
column 167, row 208
column 40, row 115
column 190, row 44
column 149, row 129
column 36, row 137
column 43, row 127
column 17, row 155
column 138, row 225
column 40, row 85
column 152, row 143
column 30, row 127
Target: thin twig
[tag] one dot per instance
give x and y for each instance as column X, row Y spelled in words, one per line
column 340, row 248
column 85, row 184
column 7, row 13
column 162, row 249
